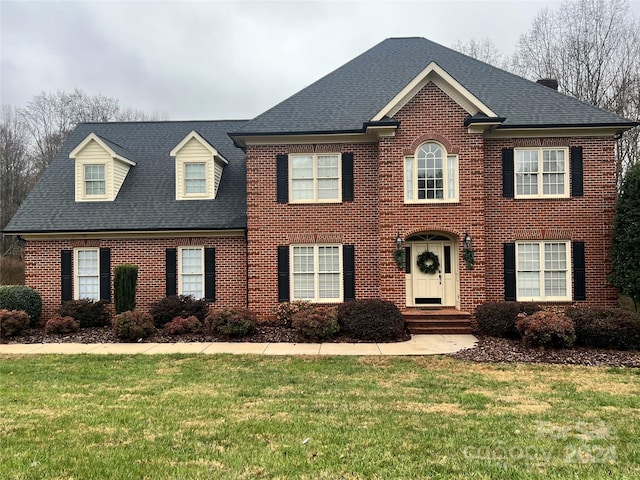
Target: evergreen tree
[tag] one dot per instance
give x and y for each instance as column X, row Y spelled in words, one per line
column 625, row 251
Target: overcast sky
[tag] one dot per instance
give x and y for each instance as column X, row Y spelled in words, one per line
column 221, row 59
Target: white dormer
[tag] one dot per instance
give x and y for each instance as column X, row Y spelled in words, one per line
column 198, row 168
column 100, row 170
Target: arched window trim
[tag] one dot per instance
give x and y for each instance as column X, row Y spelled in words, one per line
column 430, row 182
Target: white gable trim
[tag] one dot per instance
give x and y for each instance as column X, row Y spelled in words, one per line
column 436, row 74
column 93, row 137
column 195, row 135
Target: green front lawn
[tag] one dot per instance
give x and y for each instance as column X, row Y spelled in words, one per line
column 253, row 417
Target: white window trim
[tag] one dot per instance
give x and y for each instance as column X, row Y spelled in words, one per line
column 180, row 274
column 413, row 198
column 84, row 180
column 207, row 180
column 316, row 273
column 540, row 193
column 181, row 181
column 315, row 178
column 569, row 272
column 76, row 273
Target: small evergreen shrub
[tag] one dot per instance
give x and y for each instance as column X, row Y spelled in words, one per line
column 89, row 313
column 174, row 306
column 498, row 319
column 606, row 327
column 21, row 297
column 60, row 325
column 13, row 323
column 125, row 279
column 316, row 322
column 233, row 322
column 133, row 326
column 286, row 310
column 372, row 320
column 182, row 325
column 546, row 329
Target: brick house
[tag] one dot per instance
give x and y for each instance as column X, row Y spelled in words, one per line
column 411, row 146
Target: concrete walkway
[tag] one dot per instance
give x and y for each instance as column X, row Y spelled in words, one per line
column 418, row 345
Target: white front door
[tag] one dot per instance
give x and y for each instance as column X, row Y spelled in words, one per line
column 438, row 288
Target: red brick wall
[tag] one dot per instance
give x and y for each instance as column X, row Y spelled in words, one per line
column 43, row 267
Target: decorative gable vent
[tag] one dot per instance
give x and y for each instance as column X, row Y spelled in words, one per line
column 198, row 168
column 101, row 167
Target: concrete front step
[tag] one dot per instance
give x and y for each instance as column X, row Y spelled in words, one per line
column 440, row 322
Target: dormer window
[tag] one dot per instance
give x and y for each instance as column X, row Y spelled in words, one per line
column 101, row 167
column 198, row 168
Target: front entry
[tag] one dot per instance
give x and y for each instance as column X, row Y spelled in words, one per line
column 438, row 285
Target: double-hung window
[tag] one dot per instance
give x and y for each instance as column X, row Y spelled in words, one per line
column 191, row 271
column 541, row 172
column 87, row 273
column 543, row 270
column 195, row 178
column 315, row 178
column 431, row 175
column 94, row 180
column 316, row 272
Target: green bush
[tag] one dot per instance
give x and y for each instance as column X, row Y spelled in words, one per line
column 546, row 329
column 498, row 319
column 21, row 297
column 89, row 313
column 317, row 322
column 133, row 326
column 60, row 325
column 13, row 323
column 182, row 325
column 125, row 279
column 233, row 322
column 174, row 306
column 286, row 310
column 372, row 320
column 606, row 327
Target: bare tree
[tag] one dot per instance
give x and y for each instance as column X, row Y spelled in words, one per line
column 484, row 50
column 592, row 47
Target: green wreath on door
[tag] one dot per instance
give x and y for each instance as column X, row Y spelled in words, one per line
column 428, row 262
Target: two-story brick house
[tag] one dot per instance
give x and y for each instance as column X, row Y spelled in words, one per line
column 410, row 144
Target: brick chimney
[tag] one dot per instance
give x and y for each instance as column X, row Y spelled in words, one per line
column 552, row 83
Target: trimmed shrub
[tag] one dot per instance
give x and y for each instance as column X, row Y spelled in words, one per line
column 372, row 320
column 89, row 313
column 316, row 322
column 174, row 306
column 286, row 310
column 606, row 327
column 546, row 329
column 21, row 297
column 182, row 325
column 498, row 319
column 125, row 279
column 233, row 322
column 60, row 325
column 13, row 323
column 133, row 325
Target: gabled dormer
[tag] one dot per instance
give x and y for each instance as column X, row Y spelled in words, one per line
column 198, row 168
column 100, row 169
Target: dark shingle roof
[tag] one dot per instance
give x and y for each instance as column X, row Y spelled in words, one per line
column 354, row 93
column 146, row 200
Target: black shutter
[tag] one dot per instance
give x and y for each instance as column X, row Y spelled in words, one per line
column 577, row 188
column 507, row 173
column 407, row 259
column 282, row 180
column 347, row 177
column 105, row 274
column 171, row 267
column 348, row 270
column 66, row 274
column 283, row 273
column 579, row 272
column 509, row 250
column 210, row 274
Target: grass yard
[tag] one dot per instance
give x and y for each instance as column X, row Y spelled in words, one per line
column 254, row 417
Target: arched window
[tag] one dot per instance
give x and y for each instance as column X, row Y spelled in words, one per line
column 431, row 175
